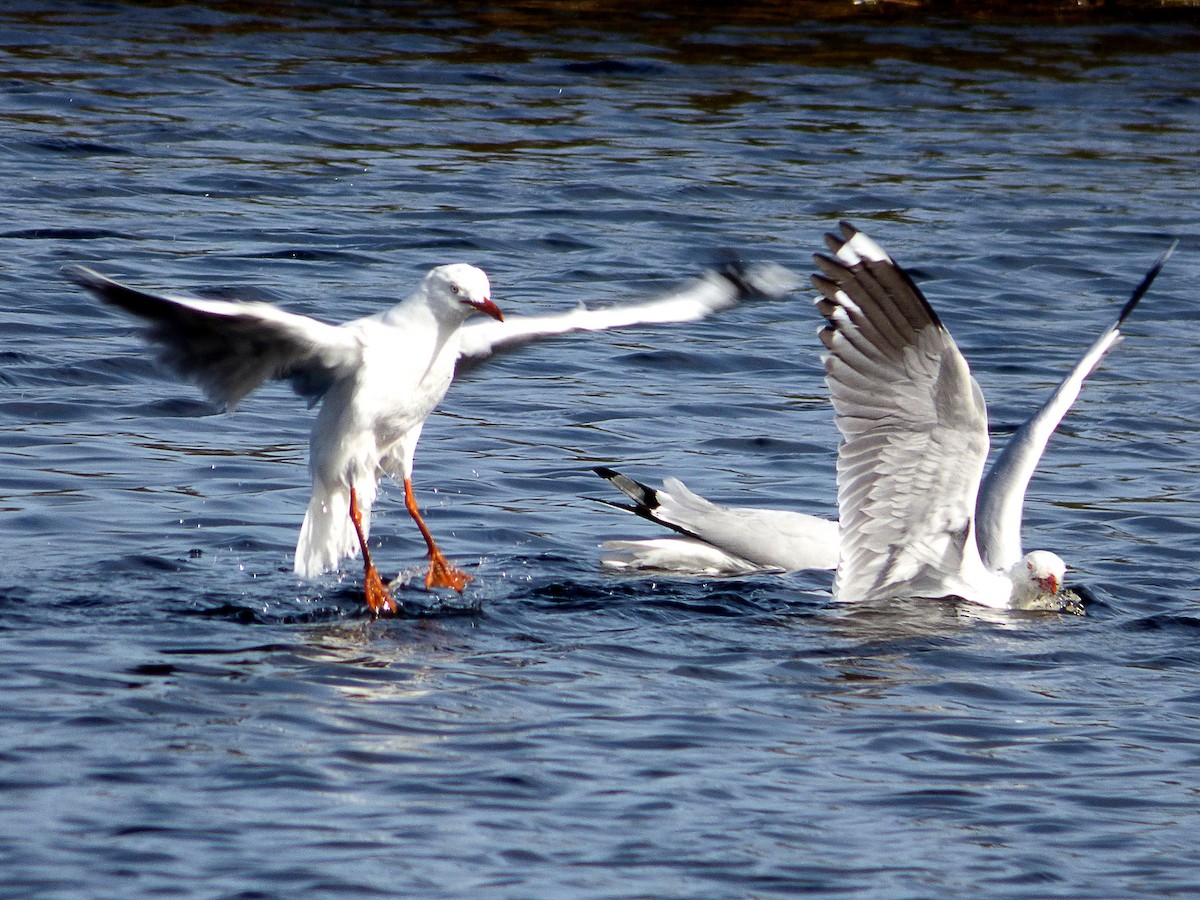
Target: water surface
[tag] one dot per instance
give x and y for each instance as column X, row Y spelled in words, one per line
column 183, row 717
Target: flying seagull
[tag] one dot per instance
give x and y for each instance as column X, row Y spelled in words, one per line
column 377, row 379
column 737, row 540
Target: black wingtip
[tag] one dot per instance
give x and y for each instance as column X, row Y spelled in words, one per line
column 645, row 498
column 734, row 271
column 751, row 281
column 730, row 265
column 101, row 285
column 832, row 268
column 1140, row 290
column 81, row 275
column 835, row 242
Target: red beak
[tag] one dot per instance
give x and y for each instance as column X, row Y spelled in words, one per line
column 487, row 307
column 1049, row 583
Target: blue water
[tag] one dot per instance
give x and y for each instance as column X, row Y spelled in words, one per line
column 181, row 717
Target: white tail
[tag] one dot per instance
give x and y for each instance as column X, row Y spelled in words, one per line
column 327, row 535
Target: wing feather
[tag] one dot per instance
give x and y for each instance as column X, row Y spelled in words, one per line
column 913, row 425
column 761, row 539
column 1002, row 494
column 711, row 293
column 230, row 348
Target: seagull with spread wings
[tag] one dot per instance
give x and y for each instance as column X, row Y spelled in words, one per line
column 915, row 518
column 377, row 379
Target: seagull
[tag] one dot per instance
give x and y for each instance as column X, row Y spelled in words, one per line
column 717, row 540
column 916, row 519
column 377, row 379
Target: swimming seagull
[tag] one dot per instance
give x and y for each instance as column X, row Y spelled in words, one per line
column 914, row 519
column 718, row 540
column 377, row 379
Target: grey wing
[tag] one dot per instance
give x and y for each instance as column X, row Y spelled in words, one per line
column 913, row 425
column 229, row 348
column 1002, row 494
column 711, row 293
column 761, row 539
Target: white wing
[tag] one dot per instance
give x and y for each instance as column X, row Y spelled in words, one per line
column 914, row 430
column 230, row 348
column 741, row 539
column 1002, row 494
column 712, row 292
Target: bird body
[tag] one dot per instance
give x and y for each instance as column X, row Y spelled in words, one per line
column 377, row 379
column 370, row 421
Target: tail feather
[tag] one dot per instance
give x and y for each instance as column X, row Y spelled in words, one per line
column 327, row 535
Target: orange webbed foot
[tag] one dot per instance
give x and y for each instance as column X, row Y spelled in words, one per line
column 444, row 574
column 379, row 598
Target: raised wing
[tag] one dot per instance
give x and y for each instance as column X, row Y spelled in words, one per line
column 712, row 292
column 913, row 424
column 229, row 348
column 1002, row 494
column 761, row 539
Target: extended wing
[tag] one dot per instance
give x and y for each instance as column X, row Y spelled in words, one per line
column 754, row 539
column 712, row 292
column 913, row 424
column 1002, row 494
column 231, row 348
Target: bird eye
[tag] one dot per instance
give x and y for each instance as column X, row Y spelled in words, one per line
column 455, row 290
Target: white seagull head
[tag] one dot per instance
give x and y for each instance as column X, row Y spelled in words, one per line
column 1037, row 579
column 461, row 290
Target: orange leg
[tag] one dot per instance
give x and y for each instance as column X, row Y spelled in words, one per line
column 441, row 572
column 379, row 598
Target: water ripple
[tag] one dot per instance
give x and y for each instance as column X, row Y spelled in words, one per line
column 185, row 717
